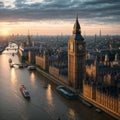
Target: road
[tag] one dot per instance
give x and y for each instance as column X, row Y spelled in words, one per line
column 45, row 103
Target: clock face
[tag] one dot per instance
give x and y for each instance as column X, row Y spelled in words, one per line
column 80, row 47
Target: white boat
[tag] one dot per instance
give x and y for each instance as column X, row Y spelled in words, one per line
column 98, row 110
column 31, row 67
column 24, row 91
column 67, row 93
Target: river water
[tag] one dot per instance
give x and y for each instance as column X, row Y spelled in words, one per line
column 45, row 103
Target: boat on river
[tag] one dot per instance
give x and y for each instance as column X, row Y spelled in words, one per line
column 31, row 67
column 10, row 60
column 20, row 65
column 87, row 103
column 98, row 110
column 67, row 93
column 13, row 54
column 24, row 91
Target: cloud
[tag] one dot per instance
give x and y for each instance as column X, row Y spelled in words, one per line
column 19, row 3
column 94, row 10
column 1, row 4
column 103, row 11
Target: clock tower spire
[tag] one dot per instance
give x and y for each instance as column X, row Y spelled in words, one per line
column 76, row 28
column 76, row 58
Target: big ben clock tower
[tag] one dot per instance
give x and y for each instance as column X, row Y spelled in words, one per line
column 76, row 58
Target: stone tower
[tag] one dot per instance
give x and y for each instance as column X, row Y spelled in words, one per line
column 76, row 58
column 29, row 43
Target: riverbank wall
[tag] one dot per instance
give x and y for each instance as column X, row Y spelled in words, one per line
column 58, row 82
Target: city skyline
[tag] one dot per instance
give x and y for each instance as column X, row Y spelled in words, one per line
column 86, row 70
column 51, row 17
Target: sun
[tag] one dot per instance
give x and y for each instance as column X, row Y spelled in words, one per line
column 4, row 32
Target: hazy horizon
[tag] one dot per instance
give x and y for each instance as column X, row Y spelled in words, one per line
column 51, row 17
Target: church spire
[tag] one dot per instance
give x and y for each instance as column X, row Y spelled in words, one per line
column 28, row 39
column 76, row 28
column 28, row 36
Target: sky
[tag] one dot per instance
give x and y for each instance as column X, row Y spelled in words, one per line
column 55, row 17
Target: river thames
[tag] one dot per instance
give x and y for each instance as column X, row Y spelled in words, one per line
column 45, row 103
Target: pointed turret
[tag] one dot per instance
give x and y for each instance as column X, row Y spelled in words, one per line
column 77, row 30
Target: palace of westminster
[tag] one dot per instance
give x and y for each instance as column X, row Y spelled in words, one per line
column 95, row 76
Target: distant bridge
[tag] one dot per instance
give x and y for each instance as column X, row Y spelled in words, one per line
column 17, row 42
column 11, row 49
column 20, row 65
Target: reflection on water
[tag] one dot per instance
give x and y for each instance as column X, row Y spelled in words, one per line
column 49, row 96
column 45, row 104
column 4, row 60
column 50, row 103
column 32, row 77
column 13, row 77
column 71, row 114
